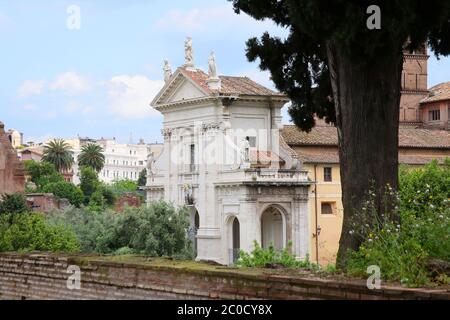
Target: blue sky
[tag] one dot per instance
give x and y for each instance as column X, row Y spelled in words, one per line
column 98, row 80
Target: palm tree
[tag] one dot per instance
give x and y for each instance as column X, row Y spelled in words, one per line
column 92, row 156
column 59, row 154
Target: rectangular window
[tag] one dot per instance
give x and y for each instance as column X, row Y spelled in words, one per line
column 327, row 174
column 192, row 157
column 434, row 115
column 327, row 207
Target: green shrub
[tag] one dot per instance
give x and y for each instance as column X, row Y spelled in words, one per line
column 124, row 186
column 89, row 182
column 403, row 249
column 13, row 203
column 108, row 195
column 260, row 257
column 42, row 173
column 65, row 190
column 124, row 251
column 30, row 232
column 425, row 188
column 90, row 227
column 157, row 230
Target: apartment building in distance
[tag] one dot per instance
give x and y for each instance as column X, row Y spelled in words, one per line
column 122, row 160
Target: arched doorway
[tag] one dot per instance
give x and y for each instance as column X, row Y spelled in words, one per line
column 234, row 239
column 272, row 229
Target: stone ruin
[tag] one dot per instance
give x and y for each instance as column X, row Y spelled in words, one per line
column 12, row 172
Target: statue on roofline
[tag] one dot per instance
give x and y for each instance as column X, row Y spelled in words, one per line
column 167, row 71
column 212, row 67
column 188, row 52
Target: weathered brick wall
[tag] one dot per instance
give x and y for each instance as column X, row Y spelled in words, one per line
column 44, row 276
column 129, row 199
column 43, row 202
column 12, row 176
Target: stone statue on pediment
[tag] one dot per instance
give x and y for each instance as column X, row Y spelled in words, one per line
column 188, row 52
column 167, row 71
column 212, row 67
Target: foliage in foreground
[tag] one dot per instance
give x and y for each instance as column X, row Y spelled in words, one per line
column 13, row 203
column 30, row 232
column 402, row 250
column 42, row 173
column 65, row 190
column 262, row 258
column 157, row 230
column 47, row 179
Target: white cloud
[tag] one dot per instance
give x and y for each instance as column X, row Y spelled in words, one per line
column 130, row 96
column 75, row 107
column 30, row 107
column 71, row 83
column 209, row 18
column 30, row 87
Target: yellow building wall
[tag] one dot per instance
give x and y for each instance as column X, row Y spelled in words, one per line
column 324, row 246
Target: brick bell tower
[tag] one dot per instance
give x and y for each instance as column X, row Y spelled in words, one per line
column 414, row 85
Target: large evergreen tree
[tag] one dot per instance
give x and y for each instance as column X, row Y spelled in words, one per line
column 334, row 65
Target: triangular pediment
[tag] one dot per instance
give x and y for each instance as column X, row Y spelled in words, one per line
column 179, row 88
column 186, row 90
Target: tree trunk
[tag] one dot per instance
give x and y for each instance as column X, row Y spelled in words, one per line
column 367, row 98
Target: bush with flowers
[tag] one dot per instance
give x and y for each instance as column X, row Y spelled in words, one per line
column 403, row 247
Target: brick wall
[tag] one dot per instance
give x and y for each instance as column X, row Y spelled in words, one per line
column 43, row 202
column 129, row 199
column 44, row 276
column 12, row 176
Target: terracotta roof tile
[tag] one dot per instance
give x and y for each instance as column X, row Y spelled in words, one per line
column 230, row 85
column 408, row 137
column 438, row 93
column 324, row 156
column 262, row 158
column 319, row 135
column 332, row 157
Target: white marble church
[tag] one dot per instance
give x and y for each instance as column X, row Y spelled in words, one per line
column 225, row 160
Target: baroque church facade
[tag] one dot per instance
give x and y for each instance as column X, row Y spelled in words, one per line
column 224, row 158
